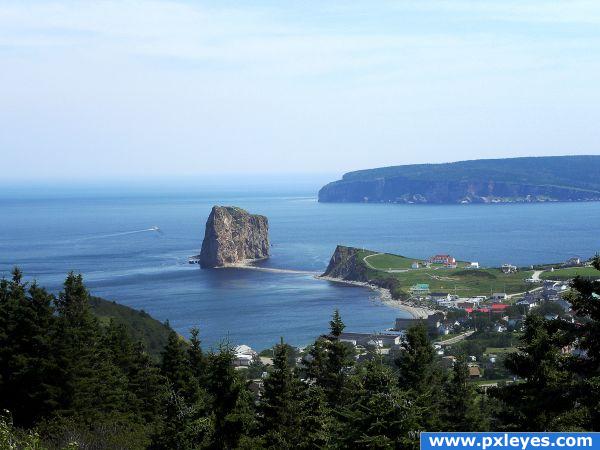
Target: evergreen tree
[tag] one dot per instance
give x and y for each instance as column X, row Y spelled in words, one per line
column 175, row 366
column 419, row 374
column 460, row 409
column 196, row 356
column 280, row 402
column 544, row 400
column 91, row 386
column 230, row 400
column 26, row 316
column 336, row 324
column 379, row 414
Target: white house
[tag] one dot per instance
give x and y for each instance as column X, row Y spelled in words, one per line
column 499, row 296
column 244, row 356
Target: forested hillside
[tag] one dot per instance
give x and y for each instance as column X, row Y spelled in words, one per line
column 140, row 325
column 69, row 381
column 551, row 178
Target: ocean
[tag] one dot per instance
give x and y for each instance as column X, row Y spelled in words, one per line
column 108, row 237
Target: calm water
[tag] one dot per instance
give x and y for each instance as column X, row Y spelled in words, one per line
column 107, row 239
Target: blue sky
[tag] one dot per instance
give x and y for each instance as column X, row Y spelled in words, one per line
column 101, row 89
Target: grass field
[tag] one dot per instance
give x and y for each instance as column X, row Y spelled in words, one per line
column 386, row 261
column 499, row 350
column 465, row 283
column 571, row 272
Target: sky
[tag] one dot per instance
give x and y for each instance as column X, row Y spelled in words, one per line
column 141, row 89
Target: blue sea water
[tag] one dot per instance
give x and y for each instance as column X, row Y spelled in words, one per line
column 108, row 238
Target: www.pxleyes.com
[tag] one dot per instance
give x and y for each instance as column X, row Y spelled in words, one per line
column 521, row 441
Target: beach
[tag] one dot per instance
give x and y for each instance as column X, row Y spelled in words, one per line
column 386, row 297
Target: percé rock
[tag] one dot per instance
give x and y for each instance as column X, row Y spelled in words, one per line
column 534, row 179
column 232, row 236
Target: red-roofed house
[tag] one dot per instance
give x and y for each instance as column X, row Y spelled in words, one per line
column 443, row 259
column 499, row 307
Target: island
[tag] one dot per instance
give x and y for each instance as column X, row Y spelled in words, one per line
column 532, row 179
column 233, row 236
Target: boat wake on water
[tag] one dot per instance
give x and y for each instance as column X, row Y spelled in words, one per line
column 123, row 233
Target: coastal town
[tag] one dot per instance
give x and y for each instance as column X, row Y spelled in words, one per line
column 485, row 327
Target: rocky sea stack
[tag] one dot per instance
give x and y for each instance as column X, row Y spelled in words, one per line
column 233, row 236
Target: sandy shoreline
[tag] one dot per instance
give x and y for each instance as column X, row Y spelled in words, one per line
column 386, row 297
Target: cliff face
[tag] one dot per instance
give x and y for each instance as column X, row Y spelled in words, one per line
column 233, row 235
column 567, row 178
column 346, row 265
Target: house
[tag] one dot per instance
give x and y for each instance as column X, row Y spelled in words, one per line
column 432, row 322
column 420, row 289
column 465, row 305
column 447, row 260
column 472, row 265
column 499, row 328
column 448, row 361
column 371, row 339
column 243, row 356
column 414, row 265
column 565, row 305
column 499, row 307
column 508, row 268
column 572, row 262
column 499, row 296
column 437, row 296
column 443, row 330
column 528, row 303
column 474, row 372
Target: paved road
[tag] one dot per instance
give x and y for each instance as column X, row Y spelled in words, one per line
column 368, row 263
column 455, row 339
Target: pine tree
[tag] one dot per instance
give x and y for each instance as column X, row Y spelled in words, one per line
column 280, row 402
column 460, row 410
column 175, row 366
column 231, row 402
column 26, row 318
column 91, row 386
column 196, row 356
column 379, row 414
column 419, row 375
column 543, row 401
column 586, row 304
column 336, row 324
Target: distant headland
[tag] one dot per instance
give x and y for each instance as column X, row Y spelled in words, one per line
column 532, row 179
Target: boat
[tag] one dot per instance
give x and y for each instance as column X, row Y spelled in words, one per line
column 194, row 259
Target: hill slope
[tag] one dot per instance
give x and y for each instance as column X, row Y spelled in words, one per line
column 548, row 178
column 140, row 325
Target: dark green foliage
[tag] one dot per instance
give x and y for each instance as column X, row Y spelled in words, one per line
column 70, row 377
column 280, row 403
column 230, row 400
column 140, row 326
column 379, row 413
column 460, row 409
column 420, row 375
column 559, row 177
column 336, row 324
column 543, row 402
column 329, row 362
